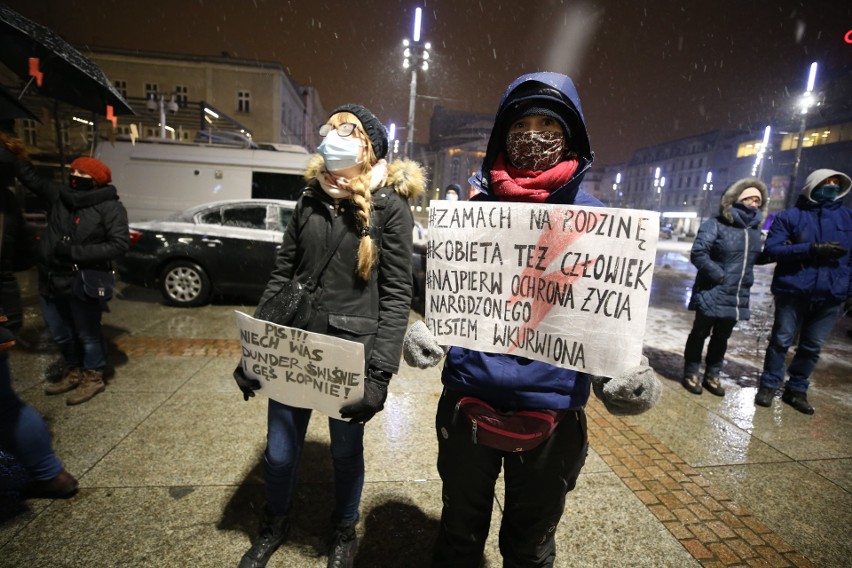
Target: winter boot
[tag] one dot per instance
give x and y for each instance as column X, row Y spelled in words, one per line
column 70, row 380
column 272, row 534
column 344, row 545
column 91, row 384
column 712, row 384
column 62, row 486
column 764, row 396
column 691, row 383
column 798, row 400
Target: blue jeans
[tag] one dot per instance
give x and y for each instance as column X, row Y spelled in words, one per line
column 75, row 326
column 23, row 430
column 285, row 438
column 813, row 321
column 702, row 327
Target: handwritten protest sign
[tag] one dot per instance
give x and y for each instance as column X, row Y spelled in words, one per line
column 300, row 368
column 566, row 285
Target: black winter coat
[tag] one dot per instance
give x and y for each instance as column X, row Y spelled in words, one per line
column 724, row 252
column 374, row 313
column 93, row 220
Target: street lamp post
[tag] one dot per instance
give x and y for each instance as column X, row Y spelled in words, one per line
column 158, row 102
column 416, row 54
column 807, row 102
column 757, row 169
column 706, row 189
column 616, row 188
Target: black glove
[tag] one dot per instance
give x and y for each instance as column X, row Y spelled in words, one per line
column 827, row 251
column 375, row 394
column 62, row 250
column 247, row 385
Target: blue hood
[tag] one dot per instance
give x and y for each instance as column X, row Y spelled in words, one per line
column 554, row 87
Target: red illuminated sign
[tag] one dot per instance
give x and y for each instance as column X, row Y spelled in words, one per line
column 848, row 37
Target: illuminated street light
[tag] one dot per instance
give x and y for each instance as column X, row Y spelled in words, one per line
column 157, row 101
column 808, row 100
column 615, row 188
column 757, row 169
column 706, row 189
column 415, row 55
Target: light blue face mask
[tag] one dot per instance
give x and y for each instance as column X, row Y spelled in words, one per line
column 340, row 152
column 825, row 193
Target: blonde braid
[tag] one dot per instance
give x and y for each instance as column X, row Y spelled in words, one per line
column 363, row 200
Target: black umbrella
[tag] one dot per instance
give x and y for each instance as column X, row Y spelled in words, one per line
column 36, row 54
column 11, row 108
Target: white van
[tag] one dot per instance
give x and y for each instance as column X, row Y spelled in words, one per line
column 157, row 178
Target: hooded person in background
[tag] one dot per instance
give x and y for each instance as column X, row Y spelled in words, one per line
column 538, row 152
column 86, row 229
column 452, row 192
column 366, row 289
column 812, row 282
column 724, row 252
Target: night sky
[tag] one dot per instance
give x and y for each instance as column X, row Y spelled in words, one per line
column 647, row 72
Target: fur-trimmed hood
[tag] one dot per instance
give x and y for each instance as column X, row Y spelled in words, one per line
column 406, row 177
column 819, row 176
column 732, row 195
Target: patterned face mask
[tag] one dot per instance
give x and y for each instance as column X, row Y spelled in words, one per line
column 535, row 150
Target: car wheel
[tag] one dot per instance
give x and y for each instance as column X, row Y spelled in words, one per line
column 184, row 283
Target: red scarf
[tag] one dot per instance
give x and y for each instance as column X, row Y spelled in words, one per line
column 511, row 184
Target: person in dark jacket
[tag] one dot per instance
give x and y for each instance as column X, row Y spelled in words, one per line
column 812, row 281
column 86, row 229
column 22, row 428
column 366, row 289
column 724, row 252
column 538, row 152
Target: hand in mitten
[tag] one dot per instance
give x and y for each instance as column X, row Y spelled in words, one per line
column 62, row 250
column 375, row 394
column 247, row 385
column 633, row 392
column 420, row 348
column 827, row 251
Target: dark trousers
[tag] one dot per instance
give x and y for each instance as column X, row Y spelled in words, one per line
column 536, row 484
column 702, row 327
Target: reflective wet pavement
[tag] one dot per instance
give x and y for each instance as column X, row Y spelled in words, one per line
column 168, row 457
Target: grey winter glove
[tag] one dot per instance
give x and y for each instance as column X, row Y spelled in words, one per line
column 420, row 348
column 375, row 394
column 633, row 392
column 827, row 251
column 247, row 385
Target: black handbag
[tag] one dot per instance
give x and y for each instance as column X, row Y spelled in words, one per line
column 294, row 305
column 89, row 284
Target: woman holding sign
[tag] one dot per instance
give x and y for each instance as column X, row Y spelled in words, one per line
column 538, row 152
column 357, row 204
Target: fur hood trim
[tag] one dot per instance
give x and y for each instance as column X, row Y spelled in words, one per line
column 406, row 177
column 732, row 194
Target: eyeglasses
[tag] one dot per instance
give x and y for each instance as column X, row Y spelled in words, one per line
column 754, row 199
column 343, row 130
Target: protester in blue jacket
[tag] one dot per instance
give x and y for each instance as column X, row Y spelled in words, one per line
column 724, row 252
column 812, row 280
column 538, row 152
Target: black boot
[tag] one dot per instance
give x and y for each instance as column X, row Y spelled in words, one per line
column 344, row 545
column 764, row 396
column 798, row 400
column 273, row 532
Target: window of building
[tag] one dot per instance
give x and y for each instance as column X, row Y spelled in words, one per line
column 182, row 95
column 151, row 90
column 29, row 132
column 749, row 148
column 120, row 86
column 243, row 101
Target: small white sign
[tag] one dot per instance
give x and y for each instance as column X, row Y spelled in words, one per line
column 301, row 368
column 563, row 284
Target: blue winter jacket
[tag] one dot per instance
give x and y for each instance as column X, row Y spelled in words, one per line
column 724, row 252
column 510, row 382
column 789, row 243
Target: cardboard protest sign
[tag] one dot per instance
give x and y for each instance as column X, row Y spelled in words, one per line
column 562, row 284
column 300, row 368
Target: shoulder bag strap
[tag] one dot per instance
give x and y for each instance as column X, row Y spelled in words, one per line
column 313, row 281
